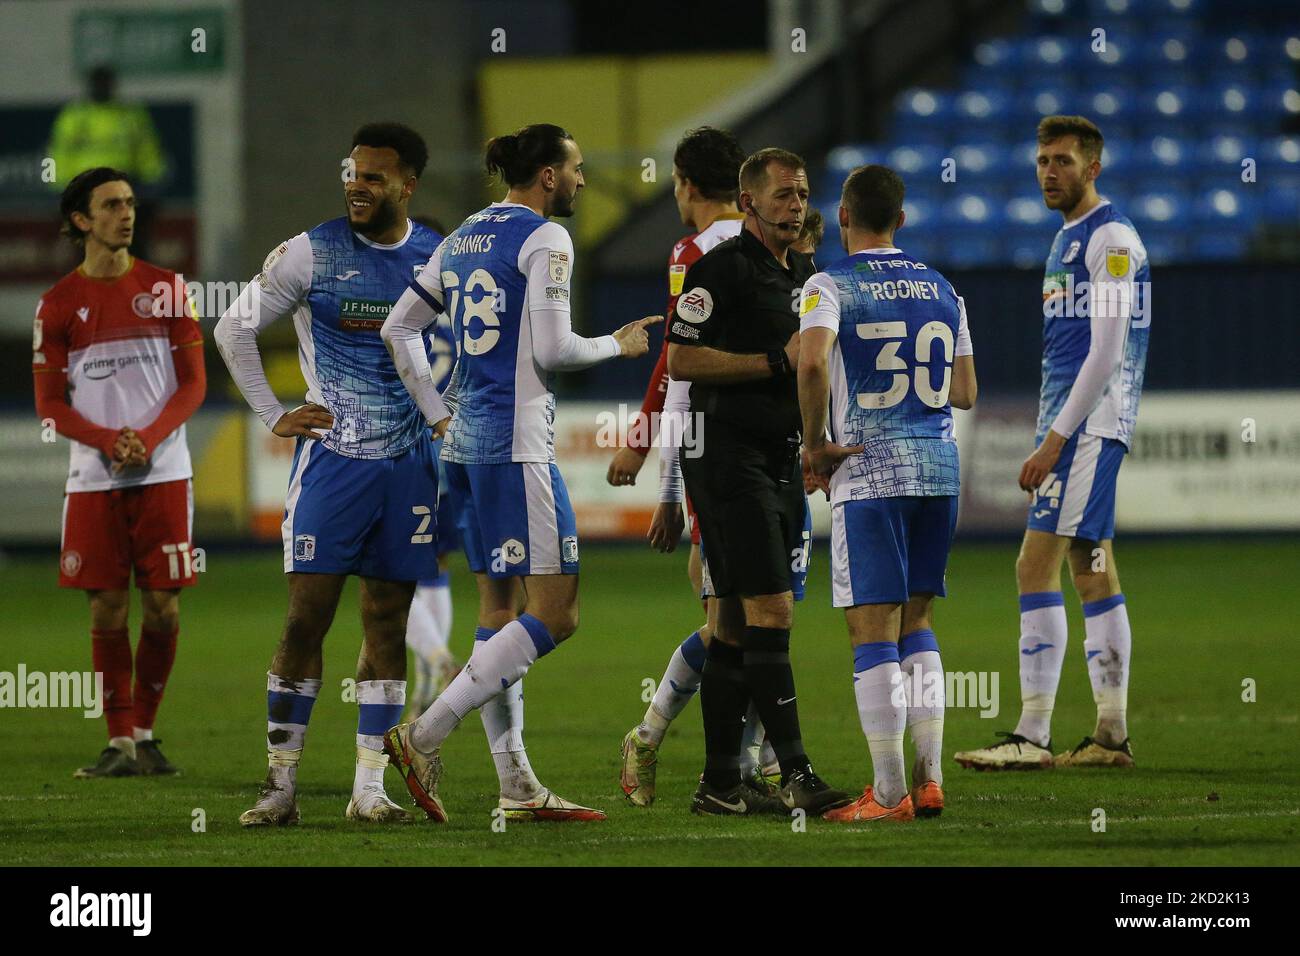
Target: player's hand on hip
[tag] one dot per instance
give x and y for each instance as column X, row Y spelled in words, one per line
column 666, row 527
column 302, row 420
column 633, row 339
column 828, row 456
column 624, row 467
column 812, row 481
column 440, row 427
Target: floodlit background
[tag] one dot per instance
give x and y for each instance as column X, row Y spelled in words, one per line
column 234, row 117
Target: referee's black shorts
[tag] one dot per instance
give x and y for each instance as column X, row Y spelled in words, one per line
column 751, row 522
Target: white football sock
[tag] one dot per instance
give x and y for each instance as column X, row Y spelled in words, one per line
column 124, row 744
column 139, row 734
column 923, row 672
column 751, row 742
column 882, row 711
column 503, row 721
column 676, row 688
column 493, row 667
column 1108, row 644
column 1043, row 635
column 379, row 705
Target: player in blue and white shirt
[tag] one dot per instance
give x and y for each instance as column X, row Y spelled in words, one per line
column 883, row 342
column 1096, row 326
column 364, row 481
column 504, row 278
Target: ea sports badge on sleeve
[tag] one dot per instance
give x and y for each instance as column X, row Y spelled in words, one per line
column 1117, row 261
column 695, row 306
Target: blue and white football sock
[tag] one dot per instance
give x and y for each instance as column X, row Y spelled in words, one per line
column 288, row 709
column 680, row 682
column 924, row 679
column 882, row 710
column 1108, row 643
column 493, row 667
column 379, row 707
column 428, row 626
column 1043, row 636
column 503, row 722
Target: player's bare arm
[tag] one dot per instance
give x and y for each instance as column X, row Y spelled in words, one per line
column 964, row 386
column 824, row 456
column 666, row 527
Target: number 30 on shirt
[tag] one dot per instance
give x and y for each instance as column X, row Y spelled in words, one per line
column 888, row 360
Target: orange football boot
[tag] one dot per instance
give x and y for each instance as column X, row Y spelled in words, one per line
column 927, row 799
column 866, row 809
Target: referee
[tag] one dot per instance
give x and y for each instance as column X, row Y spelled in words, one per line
column 735, row 337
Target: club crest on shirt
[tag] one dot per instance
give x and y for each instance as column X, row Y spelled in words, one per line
column 70, row 562
column 558, row 266
column 143, row 305
column 695, row 306
column 1117, row 261
column 1071, row 252
column 569, row 549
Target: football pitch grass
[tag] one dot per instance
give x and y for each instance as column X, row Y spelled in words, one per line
column 1216, row 781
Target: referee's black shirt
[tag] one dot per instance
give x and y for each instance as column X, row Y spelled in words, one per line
column 738, row 298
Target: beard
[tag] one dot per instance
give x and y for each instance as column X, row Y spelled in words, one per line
column 383, row 216
column 1068, row 198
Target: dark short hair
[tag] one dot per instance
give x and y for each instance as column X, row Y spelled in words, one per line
column 753, row 172
column 814, row 227
column 710, row 158
column 1090, row 139
column 406, row 142
column 76, row 197
column 873, row 197
column 517, row 157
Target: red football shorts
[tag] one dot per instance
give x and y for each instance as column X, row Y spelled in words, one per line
column 691, row 522
column 147, row 527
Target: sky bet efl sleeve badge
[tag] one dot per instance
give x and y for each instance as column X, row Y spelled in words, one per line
column 559, row 267
column 1117, row 261
column 810, row 300
column 676, row 278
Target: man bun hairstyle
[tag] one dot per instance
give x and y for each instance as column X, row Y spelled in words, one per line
column 406, row 142
column 1090, row 139
column 873, row 197
column 517, row 157
column 76, row 197
column 710, row 158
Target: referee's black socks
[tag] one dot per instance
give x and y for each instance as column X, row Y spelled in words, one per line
column 724, row 699
column 771, row 684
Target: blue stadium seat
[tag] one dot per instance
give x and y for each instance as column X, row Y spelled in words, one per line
column 1283, row 152
column 924, row 104
column 1234, row 101
column 979, row 161
column 981, row 108
column 1170, row 51
column 972, row 211
column 1118, row 156
column 1034, row 104
column 1169, row 208
column 970, row 251
column 1122, row 52
column 1239, row 49
column 842, row 159
column 996, row 55
column 914, row 160
column 1026, row 211
column 1054, row 9
column 1224, row 151
column 1284, row 99
column 1161, row 153
column 1051, row 52
column 1165, row 110
column 921, row 213
column 1108, row 103
column 1227, row 209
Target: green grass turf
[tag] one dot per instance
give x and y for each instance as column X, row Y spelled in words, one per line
column 1205, row 614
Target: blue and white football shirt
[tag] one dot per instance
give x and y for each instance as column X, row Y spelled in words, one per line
column 899, row 326
column 1096, row 262
column 339, row 287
